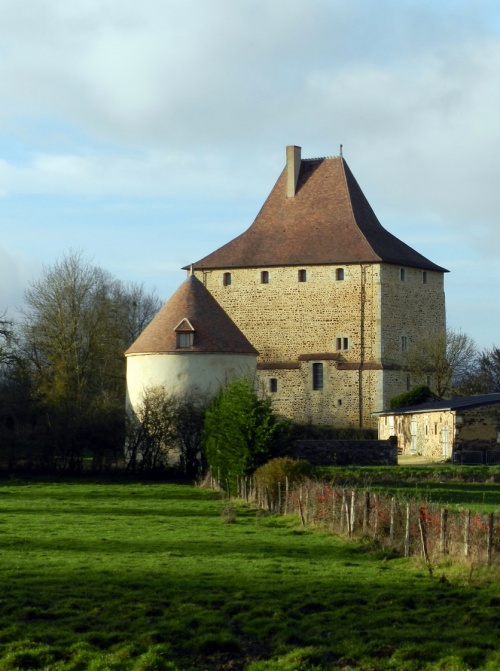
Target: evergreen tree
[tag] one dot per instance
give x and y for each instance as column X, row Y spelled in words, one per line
column 237, row 432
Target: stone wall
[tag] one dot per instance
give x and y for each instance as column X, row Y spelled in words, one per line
column 347, row 452
column 299, row 322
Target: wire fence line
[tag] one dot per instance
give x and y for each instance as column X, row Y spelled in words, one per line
column 411, row 526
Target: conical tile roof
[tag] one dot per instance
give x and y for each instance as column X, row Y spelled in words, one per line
column 328, row 221
column 214, row 331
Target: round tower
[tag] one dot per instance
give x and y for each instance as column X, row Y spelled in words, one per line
column 191, row 346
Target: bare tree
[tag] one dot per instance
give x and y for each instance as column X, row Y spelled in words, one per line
column 151, row 432
column 77, row 323
column 442, row 362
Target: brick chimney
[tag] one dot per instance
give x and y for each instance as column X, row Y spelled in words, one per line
column 292, row 169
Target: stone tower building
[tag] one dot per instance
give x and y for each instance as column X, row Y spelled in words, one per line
column 190, row 346
column 327, row 296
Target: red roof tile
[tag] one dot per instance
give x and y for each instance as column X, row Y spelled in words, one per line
column 214, row 331
column 328, row 221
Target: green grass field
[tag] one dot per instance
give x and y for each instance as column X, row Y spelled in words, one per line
column 146, row 577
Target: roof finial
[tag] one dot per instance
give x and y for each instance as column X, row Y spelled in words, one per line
column 340, row 151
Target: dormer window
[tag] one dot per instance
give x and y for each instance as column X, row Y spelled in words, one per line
column 184, row 333
column 185, row 340
column 339, row 274
column 226, row 279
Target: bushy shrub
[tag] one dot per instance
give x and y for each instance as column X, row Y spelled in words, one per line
column 277, row 471
column 415, row 396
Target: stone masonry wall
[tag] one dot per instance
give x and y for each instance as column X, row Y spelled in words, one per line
column 286, row 319
column 347, row 452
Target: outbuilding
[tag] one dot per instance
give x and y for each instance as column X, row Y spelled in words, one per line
column 450, row 429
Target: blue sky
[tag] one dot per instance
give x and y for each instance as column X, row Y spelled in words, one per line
column 146, row 135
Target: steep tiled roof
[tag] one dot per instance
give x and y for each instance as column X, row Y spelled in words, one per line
column 328, row 221
column 214, row 331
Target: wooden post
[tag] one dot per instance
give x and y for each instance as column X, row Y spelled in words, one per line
column 407, row 531
column 466, row 533
column 348, row 518
column 300, row 509
column 343, row 507
column 423, row 535
column 375, row 524
column 393, row 515
column 366, row 511
column 307, row 505
column 491, row 528
column 279, row 497
column 287, row 489
column 353, row 512
column 444, row 530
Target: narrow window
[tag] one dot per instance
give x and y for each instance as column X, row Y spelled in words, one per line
column 339, row 402
column 424, row 276
column 342, row 343
column 273, row 385
column 408, row 383
column 404, row 343
column 302, row 276
column 226, row 279
column 317, row 371
column 264, row 277
column 339, row 274
column 402, row 274
column 185, row 340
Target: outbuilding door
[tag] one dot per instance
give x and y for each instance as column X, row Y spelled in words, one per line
column 413, row 444
column 444, row 442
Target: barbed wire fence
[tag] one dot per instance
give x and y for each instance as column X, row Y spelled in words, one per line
column 411, row 526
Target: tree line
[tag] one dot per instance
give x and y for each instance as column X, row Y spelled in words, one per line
column 63, row 382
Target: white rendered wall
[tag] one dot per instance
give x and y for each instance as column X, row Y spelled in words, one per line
column 184, row 373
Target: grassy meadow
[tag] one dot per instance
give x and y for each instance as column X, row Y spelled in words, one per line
column 152, row 577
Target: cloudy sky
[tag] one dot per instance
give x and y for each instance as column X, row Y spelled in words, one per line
column 147, row 134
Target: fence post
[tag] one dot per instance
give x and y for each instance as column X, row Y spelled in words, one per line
column 407, row 531
column 353, row 512
column 303, row 522
column 466, row 533
column 366, row 511
column 279, row 497
column 343, row 507
column 491, row 527
column 444, row 530
column 287, row 487
column 423, row 535
column 393, row 514
column 375, row 524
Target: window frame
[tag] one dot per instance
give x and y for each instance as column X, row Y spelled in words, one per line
column 318, row 377
column 273, row 385
column 226, row 279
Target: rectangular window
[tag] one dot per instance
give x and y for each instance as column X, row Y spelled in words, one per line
column 185, row 340
column 226, row 279
column 402, row 274
column 302, row 275
column 264, row 277
column 273, row 385
column 404, row 343
column 339, row 274
column 342, row 343
column 424, row 276
column 317, row 373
